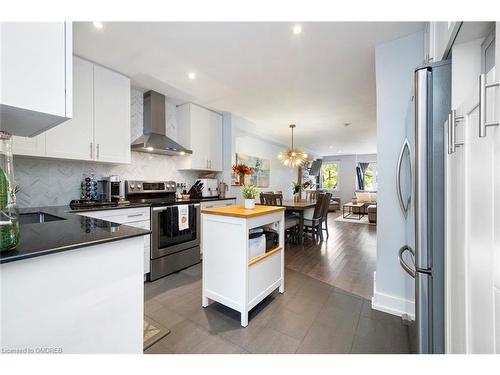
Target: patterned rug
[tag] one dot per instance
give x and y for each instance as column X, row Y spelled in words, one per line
column 153, row 332
column 363, row 220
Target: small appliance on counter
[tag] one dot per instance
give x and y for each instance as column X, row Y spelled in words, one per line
column 210, row 187
column 223, row 188
column 111, row 189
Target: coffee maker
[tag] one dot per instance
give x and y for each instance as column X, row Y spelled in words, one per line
column 111, row 189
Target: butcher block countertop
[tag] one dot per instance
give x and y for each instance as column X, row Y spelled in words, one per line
column 240, row 211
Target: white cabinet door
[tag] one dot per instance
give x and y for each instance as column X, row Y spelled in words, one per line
column 200, row 130
column 111, row 116
column 215, row 155
column 29, row 146
column 200, row 137
column 36, row 81
column 74, row 138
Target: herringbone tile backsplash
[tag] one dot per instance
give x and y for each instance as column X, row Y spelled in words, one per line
column 50, row 182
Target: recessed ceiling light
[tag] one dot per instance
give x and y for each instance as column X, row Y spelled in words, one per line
column 98, row 24
column 297, row 29
column 192, row 75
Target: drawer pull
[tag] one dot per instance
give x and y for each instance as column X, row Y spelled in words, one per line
column 134, row 215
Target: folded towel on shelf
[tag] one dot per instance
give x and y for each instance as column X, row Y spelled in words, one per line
column 183, row 217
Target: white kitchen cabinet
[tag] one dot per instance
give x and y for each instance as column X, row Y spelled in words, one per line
column 439, row 38
column 212, row 204
column 100, row 127
column 111, row 116
column 136, row 217
column 74, row 138
column 29, row 146
column 200, row 130
column 36, row 85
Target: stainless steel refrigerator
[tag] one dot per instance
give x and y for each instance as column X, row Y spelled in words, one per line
column 420, row 188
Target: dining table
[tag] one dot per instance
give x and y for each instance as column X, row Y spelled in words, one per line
column 298, row 207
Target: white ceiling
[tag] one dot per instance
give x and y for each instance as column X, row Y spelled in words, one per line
column 319, row 79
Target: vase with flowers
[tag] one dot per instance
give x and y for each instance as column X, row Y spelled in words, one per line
column 242, row 170
column 249, row 193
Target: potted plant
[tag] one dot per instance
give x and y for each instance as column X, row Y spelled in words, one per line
column 297, row 189
column 249, row 193
column 242, row 170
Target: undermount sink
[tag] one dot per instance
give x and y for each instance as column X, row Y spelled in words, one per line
column 37, row 218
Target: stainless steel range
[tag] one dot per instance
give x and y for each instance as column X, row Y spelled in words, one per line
column 175, row 226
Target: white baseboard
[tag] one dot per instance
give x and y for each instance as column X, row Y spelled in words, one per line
column 391, row 304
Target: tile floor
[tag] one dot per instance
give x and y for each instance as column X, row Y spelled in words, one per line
column 310, row 317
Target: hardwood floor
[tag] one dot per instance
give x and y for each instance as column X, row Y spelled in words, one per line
column 345, row 260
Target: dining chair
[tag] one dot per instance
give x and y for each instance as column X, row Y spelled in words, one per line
column 312, row 195
column 313, row 225
column 326, row 208
column 291, row 222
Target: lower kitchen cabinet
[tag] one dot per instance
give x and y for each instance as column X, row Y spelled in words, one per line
column 139, row 217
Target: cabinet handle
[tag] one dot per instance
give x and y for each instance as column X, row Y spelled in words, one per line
column 483, row 124
column 91, row 150
column 98, row 151
column 210, row 164
column 453, row 119
column 134, row 215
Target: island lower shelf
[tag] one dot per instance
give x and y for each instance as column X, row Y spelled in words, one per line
column 230, row 275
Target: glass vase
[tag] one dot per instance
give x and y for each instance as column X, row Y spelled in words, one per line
column 9, row 220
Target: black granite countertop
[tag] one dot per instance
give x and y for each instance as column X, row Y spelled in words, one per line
column 144, row 204
column 72, row 232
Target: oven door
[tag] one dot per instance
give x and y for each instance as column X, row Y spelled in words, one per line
column 167, row 238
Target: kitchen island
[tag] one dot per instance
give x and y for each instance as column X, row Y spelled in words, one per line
column 74, row 284
column 231, row 275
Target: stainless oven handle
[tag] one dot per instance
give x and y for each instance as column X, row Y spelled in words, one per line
column 158, row 209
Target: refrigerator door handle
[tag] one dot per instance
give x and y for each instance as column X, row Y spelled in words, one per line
column 405, row 206
column 411, row 271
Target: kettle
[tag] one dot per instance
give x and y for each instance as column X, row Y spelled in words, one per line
column 222, row 189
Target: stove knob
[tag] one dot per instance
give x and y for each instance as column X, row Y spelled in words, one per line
column 132, row 186
column 139, row 186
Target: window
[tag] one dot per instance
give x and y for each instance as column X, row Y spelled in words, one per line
column 370, row 177
column 329, row 176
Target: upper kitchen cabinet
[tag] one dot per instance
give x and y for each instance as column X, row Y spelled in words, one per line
column 439, row 39
column 111, row 116
column 74, row 139
column 100, row 127
column 200, row 130
column 36, row 76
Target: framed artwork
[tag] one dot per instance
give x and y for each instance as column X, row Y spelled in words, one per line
column 261, row 171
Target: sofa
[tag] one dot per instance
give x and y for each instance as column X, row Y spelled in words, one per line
column 369, row 200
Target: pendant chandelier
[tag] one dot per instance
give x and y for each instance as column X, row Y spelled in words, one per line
column 293, row 157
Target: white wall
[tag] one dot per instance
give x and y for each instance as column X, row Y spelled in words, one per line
column 395, row 63
column 347, row 182
column 239, row 138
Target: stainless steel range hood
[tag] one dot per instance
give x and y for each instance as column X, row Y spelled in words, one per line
column 154, row 140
